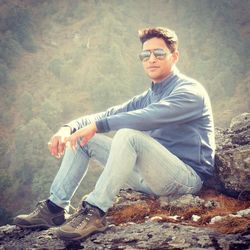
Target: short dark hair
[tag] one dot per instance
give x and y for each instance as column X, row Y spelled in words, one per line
column 169, row 36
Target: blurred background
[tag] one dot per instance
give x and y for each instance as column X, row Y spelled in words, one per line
column 61, row 59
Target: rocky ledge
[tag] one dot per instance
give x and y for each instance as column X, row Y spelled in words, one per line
column 149, row 235
column 232, row 161
column 211, row 220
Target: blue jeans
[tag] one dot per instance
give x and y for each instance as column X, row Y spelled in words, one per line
column 132, row 158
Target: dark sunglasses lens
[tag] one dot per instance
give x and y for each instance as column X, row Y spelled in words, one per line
column 144, row 55
column 159, row 53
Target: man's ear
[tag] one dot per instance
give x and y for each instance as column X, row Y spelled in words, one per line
column 175, row 56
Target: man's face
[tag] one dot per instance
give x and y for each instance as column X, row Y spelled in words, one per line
column 158, row 68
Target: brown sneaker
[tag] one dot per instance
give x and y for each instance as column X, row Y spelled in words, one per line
column 83, row 223
column 40, row 217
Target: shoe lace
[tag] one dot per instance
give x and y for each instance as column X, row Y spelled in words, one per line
column 81, row 216
column 39, row 206
column 77, row 218
column 89, row 214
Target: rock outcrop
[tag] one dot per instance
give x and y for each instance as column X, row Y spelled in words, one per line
column 138, row 221
column 232, row 161
column 150, row 235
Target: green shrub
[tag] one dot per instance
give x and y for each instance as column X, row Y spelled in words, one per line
column 26, row 106
column 18, row 22
column 30, row 147
column 10, row 49
column 63, row 71
column 55, row 66
column 51, row 114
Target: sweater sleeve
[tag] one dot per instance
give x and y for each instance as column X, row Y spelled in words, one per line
column 133, row 104
column 182, row 105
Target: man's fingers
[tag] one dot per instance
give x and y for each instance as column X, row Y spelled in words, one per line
column 69, row 142
column 83, row 141
column 61, row 146
column 54, row 146
column 73, row 144
column 52, row 151
column 49, row 145
column 57, row 156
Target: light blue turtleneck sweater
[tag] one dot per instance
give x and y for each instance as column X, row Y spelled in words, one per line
column 176, row 112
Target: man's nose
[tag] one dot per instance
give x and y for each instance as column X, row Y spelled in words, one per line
column 152, row 57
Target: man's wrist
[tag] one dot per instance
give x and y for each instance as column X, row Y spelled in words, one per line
column 94, row 127
column 102, row 126
column 68, row 128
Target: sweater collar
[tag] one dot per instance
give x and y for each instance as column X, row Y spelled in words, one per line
column 158, row 87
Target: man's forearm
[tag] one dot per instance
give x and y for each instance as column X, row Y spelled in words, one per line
column 130, row 105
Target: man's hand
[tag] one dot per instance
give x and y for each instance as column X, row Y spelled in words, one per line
column 84, row 134
column 57, row 142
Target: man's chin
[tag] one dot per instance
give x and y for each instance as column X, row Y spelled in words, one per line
column 153, row 77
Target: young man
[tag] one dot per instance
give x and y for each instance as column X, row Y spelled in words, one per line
column 164, row 144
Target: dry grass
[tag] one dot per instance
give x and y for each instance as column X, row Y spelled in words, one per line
column 150, row 209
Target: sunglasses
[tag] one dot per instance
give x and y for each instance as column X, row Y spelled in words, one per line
column 158, row 53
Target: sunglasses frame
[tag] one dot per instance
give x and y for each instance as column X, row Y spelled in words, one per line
column 145, row 54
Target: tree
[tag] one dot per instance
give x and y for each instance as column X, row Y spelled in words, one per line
column 26, row 106
column 30, row 150
column 51, row 114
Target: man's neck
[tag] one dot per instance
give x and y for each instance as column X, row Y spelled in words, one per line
column 174, row 70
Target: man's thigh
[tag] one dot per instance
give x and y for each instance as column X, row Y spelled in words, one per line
column 98, row 148
column 159, row 171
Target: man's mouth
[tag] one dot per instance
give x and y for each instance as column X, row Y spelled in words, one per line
column 153, row 68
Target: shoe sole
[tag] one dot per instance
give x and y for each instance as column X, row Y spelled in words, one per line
column 18, row 223
column 99, row 230
column 42, row 226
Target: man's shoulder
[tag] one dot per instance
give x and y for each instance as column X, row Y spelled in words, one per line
column 187, row 79
column 189, row 83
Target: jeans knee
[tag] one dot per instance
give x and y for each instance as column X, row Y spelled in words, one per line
column 129, row 136
column 125, row 133
column 97, row 144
